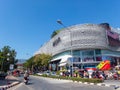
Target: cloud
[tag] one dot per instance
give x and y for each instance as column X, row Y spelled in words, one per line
column 117, row 30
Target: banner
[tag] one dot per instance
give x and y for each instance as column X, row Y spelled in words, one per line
column 104, row 65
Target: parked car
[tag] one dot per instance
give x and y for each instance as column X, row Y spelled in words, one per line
column 2, row 76
column 53, row 73
column 47, row 73
column 40, row 73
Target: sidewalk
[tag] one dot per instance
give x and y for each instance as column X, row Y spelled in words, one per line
column 112, row 82
column 8, row 82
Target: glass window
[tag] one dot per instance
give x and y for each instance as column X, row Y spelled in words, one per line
column 98, row 58
column 98, row 52
column 110, row 53
column 88, row 59
column 74, row 59
column 88, row 53
column 76, row 53
column 89, row 65
column 54, row 67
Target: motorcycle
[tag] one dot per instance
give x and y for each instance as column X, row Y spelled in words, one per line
column 115, row 76
column 26, row 80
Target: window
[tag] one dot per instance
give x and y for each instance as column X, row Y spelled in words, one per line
column 88, row 53
column 76, row 53
column 75, row 59
column 88, row 59
column 98, row 58
column 97, row 51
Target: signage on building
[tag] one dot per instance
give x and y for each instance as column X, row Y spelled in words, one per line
column 56, row 42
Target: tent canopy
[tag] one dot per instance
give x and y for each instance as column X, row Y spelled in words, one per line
column 63, row 59
column 62, row 64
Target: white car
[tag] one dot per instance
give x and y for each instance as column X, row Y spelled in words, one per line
column 39, row 73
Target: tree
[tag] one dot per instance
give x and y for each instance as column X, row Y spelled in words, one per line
column 29, row 63
column 39, row 61
column 45, row 58
column 42, row 61
column 7, row 57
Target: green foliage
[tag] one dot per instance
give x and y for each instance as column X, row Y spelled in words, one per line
column 7, row 57
column 29, row 63
column 58, row 72
column 90, row 80
column 42, row 59
column 55, row 33
column 39, row 60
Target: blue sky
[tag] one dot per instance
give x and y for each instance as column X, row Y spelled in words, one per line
column 27, row 24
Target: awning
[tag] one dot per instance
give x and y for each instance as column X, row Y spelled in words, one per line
column 56, row 59
column 63, row 58
column 62, row 64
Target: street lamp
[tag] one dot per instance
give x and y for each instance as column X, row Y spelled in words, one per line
column 71, row 52
column 8, row 56
column 8, row 59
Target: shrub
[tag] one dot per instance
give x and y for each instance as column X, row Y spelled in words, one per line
column 78, row 79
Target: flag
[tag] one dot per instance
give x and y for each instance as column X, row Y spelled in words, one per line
column 104, row 65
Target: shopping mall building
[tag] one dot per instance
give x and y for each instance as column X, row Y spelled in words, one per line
column 83, row 46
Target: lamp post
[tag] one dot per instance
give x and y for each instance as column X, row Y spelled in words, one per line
column 8, row 59
column 8, row 56
column 71, row 52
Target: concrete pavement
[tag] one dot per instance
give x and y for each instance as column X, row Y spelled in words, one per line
column 108, row 83
column 8, row 82
column 12, row 81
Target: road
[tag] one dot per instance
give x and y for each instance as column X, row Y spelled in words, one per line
column 40, row 83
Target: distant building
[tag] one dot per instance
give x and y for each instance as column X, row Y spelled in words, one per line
column 20, row 63
column 86, row 45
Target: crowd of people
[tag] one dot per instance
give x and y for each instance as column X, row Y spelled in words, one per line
column 104, row 75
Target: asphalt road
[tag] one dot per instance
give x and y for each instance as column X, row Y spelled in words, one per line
column 40, row 83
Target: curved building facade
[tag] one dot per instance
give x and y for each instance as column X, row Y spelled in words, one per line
column 84, row 46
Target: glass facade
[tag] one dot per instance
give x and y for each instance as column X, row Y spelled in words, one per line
column 90, row 58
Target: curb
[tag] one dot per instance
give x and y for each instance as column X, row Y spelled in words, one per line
column 9, row 86
column 98, row 84
column 116, row 87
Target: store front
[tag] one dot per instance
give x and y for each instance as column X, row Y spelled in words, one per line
column 85, row 59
